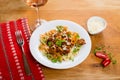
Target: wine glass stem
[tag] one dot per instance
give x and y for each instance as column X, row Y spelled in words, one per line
column 38, row 17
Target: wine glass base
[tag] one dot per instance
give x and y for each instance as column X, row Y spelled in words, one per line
column 38, row 24
column 43, row 21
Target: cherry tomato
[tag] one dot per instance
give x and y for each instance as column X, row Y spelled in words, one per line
column 106, row 62
column 101, row 55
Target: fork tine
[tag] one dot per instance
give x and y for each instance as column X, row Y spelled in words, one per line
column 18, row 33
column 19, row 37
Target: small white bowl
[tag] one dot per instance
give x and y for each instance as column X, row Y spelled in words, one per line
column 96, row 25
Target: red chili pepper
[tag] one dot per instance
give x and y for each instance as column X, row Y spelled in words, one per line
column 106, row 62
column 101, row 55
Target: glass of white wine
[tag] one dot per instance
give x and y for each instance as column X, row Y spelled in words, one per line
column 36, row 4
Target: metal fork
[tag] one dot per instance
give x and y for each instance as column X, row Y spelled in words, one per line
column 20, row 41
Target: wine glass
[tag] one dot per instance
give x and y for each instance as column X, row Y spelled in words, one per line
column 36, row 4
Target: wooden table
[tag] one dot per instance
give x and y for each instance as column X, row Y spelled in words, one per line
column 78, row 11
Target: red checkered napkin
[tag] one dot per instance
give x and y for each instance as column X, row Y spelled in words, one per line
column 11, row 62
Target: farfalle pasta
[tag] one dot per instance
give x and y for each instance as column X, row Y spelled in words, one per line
column 60, row 44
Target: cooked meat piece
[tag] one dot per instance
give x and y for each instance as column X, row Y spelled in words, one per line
column 80, row 41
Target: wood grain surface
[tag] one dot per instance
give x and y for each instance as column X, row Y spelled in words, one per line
column 78, row 11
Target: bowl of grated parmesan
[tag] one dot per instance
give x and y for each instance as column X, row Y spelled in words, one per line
column 96, row 24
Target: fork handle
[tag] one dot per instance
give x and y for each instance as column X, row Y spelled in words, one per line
column 26, row 65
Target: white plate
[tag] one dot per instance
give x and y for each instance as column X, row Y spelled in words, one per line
column 82, row 55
